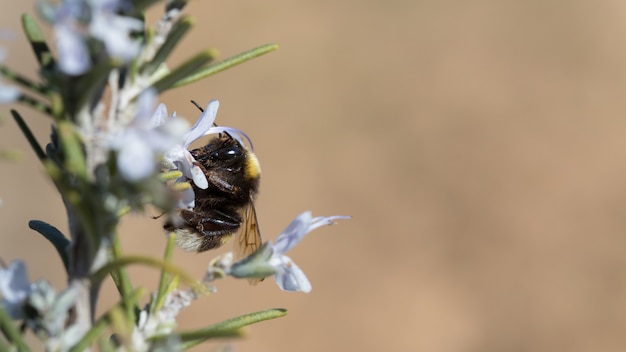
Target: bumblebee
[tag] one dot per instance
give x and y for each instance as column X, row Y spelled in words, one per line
column 225, row 209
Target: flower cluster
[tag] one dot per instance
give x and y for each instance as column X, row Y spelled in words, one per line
column 77, row 23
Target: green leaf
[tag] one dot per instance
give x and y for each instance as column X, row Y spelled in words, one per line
column 227, row 328
column 52, row 234
column 10, row 331
column 174, row 38
column 22, row 80
column 30, row 137
column 226, row 64
column 35, row 104
column 3, row 346
column 185, row 70
column 162, row 292
column 101, row 273
column 121, row 279
column 141, row 5
column 175, row 5
column 74, row 157
column 37, row 41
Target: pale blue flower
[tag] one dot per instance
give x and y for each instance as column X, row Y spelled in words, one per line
column 141, row 144
column 15, row 288
column 70, row 42
column 76, row 20
column 288, row 275
column 270, row 259
column 115, row 30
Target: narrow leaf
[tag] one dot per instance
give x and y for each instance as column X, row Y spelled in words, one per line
column 163, row 286
column 101, row 273
column 184, row 70
column 22, row 80
column 10, row 331
column 52, row 234
column 30, row 137
column 230, row 327
column 3, row 346
column 37, row 41
column 72, row 150
column 226, row 64
column 35, row 104
column 122, row 280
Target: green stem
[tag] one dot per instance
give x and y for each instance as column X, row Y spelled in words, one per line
column 101, row 273
column 163, row 281
column 3, row 347
column 121, row 279
column 11, row 332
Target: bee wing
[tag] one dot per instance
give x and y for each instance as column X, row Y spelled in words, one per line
column 249, row 238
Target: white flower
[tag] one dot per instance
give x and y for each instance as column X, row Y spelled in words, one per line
column 140, row 144
column 15, row 288
column 180, row 158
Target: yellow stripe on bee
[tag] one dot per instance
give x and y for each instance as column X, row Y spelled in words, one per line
column 253, row 168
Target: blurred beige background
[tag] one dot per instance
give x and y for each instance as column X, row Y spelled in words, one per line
column 479, row 147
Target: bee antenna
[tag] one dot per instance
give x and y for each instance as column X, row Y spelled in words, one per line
column 214, row 124
column 198, row 106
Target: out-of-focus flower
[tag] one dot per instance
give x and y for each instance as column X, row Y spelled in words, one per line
column 15, row 288
column 115, row 30
column 141, row 144
column 73, row 53
column 76, row 20
column 8, row 93
column 271, row 258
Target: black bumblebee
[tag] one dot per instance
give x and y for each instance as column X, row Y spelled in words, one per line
column 226, row 207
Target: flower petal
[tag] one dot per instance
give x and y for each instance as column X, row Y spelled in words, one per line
column 234, row 132
column 73, row 54
column 135, row 160
column 204, row 123
column 160, row 115
column 15, row 288
column 294, row 232
column 291, row 278
column 8, row 94
column 199, row 178
column 14, row 283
